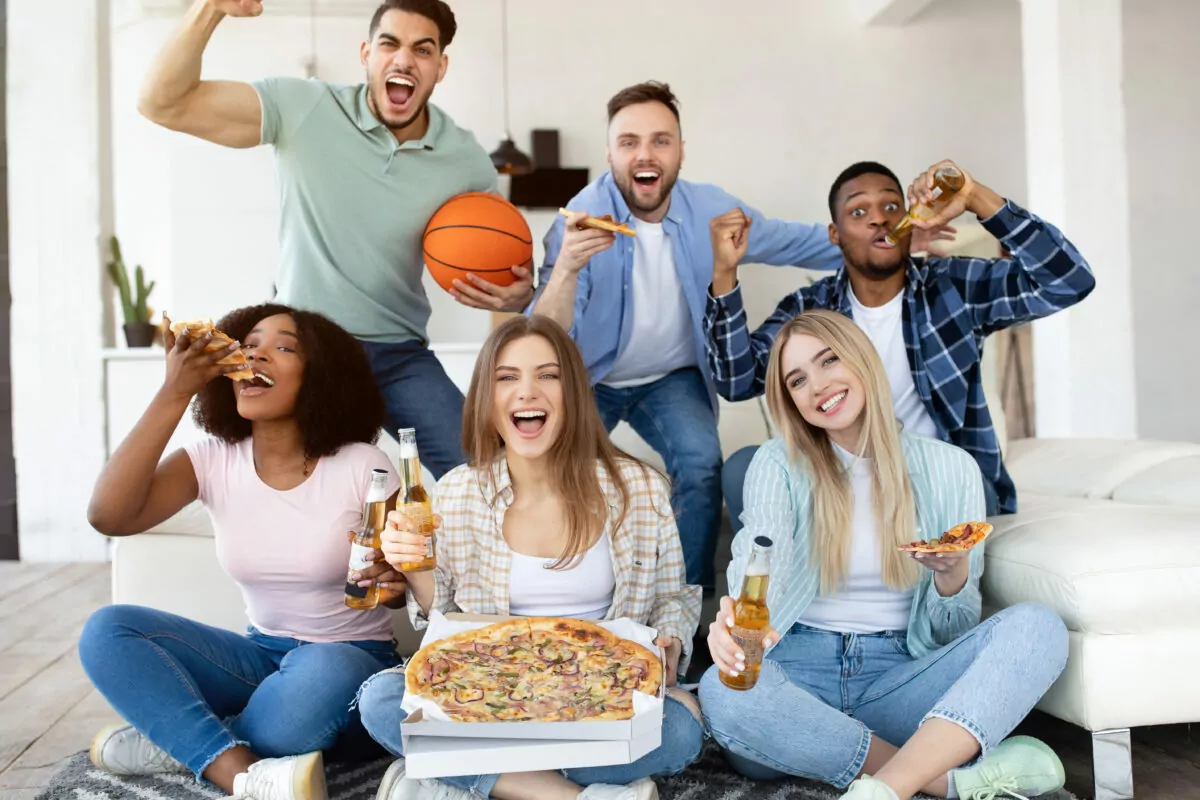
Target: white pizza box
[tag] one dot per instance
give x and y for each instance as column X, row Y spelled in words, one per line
column 435, row 747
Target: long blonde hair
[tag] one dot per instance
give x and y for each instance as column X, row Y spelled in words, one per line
column 810, row 447
column 581, row 442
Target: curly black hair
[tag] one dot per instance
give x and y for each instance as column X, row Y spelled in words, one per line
column 338, row 402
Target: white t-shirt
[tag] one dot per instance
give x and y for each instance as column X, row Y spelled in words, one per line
column 289, row 551
column 864, row 604
column 585, row 591
column 661, row 340
column 884, row 326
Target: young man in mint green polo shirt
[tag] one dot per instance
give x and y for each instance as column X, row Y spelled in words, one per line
column 361, row 168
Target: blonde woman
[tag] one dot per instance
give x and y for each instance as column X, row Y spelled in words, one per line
column 548, row 518
column 884, row 672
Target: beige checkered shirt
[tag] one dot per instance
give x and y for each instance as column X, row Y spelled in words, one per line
column 473, row 565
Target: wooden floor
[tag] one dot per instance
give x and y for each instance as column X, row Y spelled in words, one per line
column 48, row 710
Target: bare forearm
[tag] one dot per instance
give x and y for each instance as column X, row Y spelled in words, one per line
column 984, row 202
column 124, row 484
column 724, row 279
column 558, row 299
column 176, row 69
column 422, row 585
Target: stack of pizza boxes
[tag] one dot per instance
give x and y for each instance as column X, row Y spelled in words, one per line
column 437, row 748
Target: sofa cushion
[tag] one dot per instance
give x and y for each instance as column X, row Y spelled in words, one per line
column 1172, row 483
column 1105, row 567
column 1086, row 467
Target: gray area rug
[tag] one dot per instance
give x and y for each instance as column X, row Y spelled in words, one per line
column 708, row 779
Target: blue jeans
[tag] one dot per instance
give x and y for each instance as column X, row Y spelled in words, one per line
column 821, row 695
column 733, row 479
column 418, row 393
column 682, row 738
column 197, row 691
column 673, row 414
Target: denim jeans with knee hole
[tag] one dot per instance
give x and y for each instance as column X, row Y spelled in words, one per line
column 197, row 691
column 822, row 695
column 682, row 738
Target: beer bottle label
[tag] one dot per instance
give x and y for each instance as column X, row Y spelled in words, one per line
column 751, row 643
column 358, row 558
column 429, row 546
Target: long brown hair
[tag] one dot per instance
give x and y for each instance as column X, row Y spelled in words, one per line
column 810, row 446
column 582, row 440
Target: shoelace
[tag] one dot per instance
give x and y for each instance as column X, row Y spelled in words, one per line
column 154, row 755
column 267, row 783
column 999, row 784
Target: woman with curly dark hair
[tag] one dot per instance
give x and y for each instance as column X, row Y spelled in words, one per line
column 284, row 477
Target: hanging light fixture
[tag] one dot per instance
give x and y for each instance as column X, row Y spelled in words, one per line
column 507, row 158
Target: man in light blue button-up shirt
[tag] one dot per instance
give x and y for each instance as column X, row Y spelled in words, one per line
column 635, row 305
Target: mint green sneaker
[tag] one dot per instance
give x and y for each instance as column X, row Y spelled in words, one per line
column 1020, row 768
column 867, row 788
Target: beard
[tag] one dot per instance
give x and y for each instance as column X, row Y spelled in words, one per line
column 876, row 272
column 625, row 184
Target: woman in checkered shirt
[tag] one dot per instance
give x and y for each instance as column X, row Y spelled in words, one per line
column 548, row 518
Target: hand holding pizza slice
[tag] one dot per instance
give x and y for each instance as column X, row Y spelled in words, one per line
column 604, row 223
column 198, row 328
column 958, row 539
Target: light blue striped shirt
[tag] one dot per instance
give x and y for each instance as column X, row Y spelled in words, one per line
column 948, row 489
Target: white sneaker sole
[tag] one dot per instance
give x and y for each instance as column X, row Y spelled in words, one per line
column 394, row 773
column 308, row 777
column 96, row 750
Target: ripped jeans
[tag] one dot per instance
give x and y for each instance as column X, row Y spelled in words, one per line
column 682, row 739
column 197, row 691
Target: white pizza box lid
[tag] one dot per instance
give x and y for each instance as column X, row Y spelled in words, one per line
column 425, row 718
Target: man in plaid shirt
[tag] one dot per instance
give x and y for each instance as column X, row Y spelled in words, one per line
column 927, row 317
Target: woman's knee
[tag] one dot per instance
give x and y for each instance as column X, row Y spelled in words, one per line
column 379, row 700
column 103, row 627
column 682, row 733
column 1039, row 628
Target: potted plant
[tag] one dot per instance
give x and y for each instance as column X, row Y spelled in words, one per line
column 139, row 331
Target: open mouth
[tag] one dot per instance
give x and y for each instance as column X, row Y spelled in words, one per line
column 833, row 403
column 884, row 242
column 529, row 422
column 256, row 385
column 646, row 179
column 400, row 89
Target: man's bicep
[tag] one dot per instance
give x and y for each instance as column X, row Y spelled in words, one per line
column 227, row 113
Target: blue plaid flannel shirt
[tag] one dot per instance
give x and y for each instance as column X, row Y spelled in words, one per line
column 951, row 305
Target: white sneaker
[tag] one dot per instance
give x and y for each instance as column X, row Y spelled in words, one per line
column 396, row 785
column 292, row 778
column 121, row 750
column 644, row 789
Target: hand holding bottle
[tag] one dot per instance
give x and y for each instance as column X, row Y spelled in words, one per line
column 403, row 542
column 946, row 190
column 725, row 652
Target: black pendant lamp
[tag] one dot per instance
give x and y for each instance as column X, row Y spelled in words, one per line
column 507, row 158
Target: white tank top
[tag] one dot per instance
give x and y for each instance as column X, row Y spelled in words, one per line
column 584, row 591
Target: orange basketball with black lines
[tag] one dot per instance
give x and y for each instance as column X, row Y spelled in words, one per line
column 477, row 233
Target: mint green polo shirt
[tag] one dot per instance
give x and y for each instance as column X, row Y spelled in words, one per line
column 354, row 203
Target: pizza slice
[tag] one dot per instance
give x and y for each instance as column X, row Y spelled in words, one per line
column 200, row 327
column 605, row 223
column 958, row 539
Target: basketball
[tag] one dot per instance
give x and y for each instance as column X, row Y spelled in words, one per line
column 477, row 233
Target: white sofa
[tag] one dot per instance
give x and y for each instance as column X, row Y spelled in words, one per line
column 1108, row 535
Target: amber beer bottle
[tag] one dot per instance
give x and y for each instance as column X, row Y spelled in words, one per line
column 366, row 539
column 947, row 182
column 413, row 500
column 750, row 616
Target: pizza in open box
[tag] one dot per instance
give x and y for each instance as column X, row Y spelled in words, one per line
column 534, row 669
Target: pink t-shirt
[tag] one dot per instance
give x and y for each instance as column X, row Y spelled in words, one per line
column 289, row 551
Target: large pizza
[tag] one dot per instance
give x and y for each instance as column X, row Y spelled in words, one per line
column 534, row 669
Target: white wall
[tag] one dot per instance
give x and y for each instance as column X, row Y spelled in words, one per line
column 1163, row 114
column 57, row 220
column 774, row 106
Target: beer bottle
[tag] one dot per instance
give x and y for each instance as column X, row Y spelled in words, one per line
column 947, row 181
column 750, row 616
column 413, row 501
column 366, row 539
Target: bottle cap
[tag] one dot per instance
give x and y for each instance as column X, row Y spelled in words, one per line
column 763, row 541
